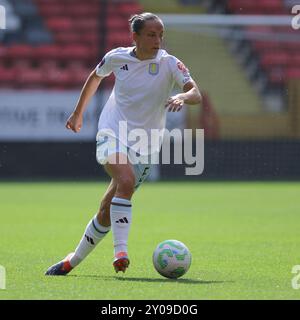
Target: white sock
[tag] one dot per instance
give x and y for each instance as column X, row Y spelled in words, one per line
column 120, row 217
column 93, row 234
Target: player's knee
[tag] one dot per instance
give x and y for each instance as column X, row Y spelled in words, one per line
column 126, row 185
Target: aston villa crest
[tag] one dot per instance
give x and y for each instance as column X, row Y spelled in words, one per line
column 153, row 68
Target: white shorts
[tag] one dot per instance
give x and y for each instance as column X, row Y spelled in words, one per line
column 109, row 145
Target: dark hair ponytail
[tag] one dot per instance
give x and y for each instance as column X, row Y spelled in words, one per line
column 138, row 21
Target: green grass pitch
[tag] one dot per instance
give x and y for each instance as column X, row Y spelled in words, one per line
column 244, row 240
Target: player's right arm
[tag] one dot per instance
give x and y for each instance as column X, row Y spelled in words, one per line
column 75, row 120
column 103, row 69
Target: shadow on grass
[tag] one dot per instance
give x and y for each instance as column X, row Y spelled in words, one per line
column 153, row 280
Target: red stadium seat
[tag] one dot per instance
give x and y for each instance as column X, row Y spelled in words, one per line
column 8, row 77
column 49, row 10
column 76, row 29
column 30, row 78
column 120, row 37
column 57, row 78
column 83, row 38
column 130, row 8
column 44, row 2
column 294, row 61
column 67, row 37
column 90, row 11
column 271, row 59
column 3, row 52
column 260, row 29
column 292, row 46
column 293, row 73
column 76, row 65
column 76, row 3
column 126, row 9
column 48, row 52
column 20, row 52
column 86, row 24
column 243, row 7
column 91, row 38
column 79, row 74
column 60, row 24
column 19, row 55
column 260, row 7
column 117, row 23
column 64, row 54
column 279, row 59
column 76, row 52
column 48, row 64
column 271, row 6
column 265, row 45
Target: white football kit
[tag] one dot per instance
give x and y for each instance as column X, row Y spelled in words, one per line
column 138, row 98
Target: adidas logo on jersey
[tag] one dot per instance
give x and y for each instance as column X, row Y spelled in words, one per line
column 125, row 67
column 122, row 220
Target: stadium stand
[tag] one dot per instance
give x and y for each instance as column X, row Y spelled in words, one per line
column 259, row 7
column 55, row 44
column 269, row 54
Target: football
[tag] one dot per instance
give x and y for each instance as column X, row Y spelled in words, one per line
column 172, row 259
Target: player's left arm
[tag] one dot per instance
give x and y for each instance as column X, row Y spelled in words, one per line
column 190, row 95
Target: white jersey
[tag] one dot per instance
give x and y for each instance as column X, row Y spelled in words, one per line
column 140, row 92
